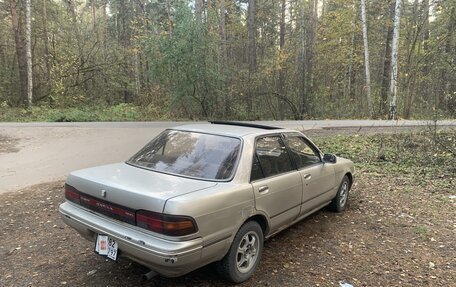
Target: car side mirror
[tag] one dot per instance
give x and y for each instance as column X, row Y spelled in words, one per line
column 328, row 157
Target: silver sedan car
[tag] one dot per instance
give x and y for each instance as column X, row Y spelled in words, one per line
column 204, row 193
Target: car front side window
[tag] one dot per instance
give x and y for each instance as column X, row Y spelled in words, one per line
column 303, row 154
column 272, row 156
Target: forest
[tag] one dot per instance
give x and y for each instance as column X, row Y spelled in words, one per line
column 230, row 59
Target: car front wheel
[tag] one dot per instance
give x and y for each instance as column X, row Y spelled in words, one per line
column 339, row 203
column 244, row 254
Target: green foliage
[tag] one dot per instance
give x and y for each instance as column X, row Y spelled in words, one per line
column 186, row 61
column 336, row 31
column 428, row 156
column 121, row 112
column 158, row 55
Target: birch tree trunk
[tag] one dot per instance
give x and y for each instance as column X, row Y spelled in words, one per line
column 28, row 52
column 323, row 8
column 281, row 47
column 366, row 59
column 47, row 55
column 394, row 53
column 251, row 29
column 352, row 53
column 224, row 58
column 303, row 106
column 386, row 77
column 313, row 26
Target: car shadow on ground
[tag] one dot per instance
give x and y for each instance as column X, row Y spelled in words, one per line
column 280, row 261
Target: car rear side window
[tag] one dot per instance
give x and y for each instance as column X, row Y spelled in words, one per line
column 272, row 156
column 257, row 172
column 190, row 154
column 303, row 154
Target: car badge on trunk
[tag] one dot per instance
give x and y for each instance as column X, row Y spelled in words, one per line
column 103, row 193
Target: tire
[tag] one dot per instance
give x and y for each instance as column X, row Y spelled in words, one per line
column 244, row 254
column 340, row 201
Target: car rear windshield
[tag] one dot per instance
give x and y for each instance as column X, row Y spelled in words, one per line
column 191, row 154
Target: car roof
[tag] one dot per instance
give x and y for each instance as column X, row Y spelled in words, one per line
column 231, row 129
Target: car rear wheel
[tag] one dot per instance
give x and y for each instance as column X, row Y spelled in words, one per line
column 244, row 254
column 339, row 203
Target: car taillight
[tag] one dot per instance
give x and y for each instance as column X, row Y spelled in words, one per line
column 72, row 194
column 172, row 225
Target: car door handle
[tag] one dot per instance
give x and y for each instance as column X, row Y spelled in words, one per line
column 263, row 189
column 307, row 176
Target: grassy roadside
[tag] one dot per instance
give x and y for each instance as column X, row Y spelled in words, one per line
column 121, row 112
column 104, row 113
column 425, row 158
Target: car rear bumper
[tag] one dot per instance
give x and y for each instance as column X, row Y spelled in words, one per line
column 168, row 258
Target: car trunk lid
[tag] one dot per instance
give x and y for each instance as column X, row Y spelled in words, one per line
column 131, row 187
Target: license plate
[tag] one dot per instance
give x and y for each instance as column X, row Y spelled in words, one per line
column 106, row 246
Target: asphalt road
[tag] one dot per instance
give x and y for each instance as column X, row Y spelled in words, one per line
column 49, row 151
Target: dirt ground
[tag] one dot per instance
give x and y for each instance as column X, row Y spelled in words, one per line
column 387, row 237
column 8, row 144
column 394, row 233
